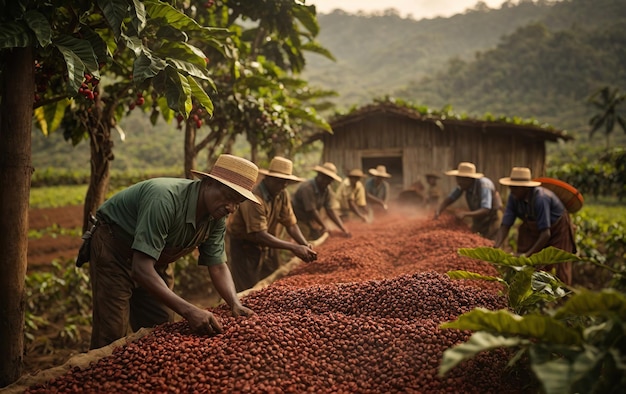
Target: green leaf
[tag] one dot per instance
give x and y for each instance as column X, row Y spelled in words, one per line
column 178, row 92
column 114, row 12
column 478, row 342
column 461, row 274
column 14, row 35
column 182, row 51
column 544, row 328
column 38, row 23
column 79, row 59
column 171, row 16
column 609, row 303
column 166, row 111
column 49, row 117
column 306, row 15
column 520, row 287
column 201, row 95
column 552, row 255
column 492, row 255
column 139, row 15
column 147, row 66
column 189, row 68
column 554, row 375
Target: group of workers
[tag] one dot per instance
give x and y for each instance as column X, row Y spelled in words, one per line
column 144, row 228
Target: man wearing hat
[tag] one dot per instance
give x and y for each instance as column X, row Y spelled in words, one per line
column 351, row 196
column 483, row 200
column 377, row 188
column 313, row 195
column 144, row 228
column 253, row 228
column 545, row 221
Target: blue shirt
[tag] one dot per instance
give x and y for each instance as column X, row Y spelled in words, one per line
column 545, row 209
column 479, row 195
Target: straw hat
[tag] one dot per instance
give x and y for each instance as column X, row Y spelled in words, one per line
column 356, row 173
column 235, row 172
column 520, row 176
column 380, row 171
column 281, row 168
column 329, row 170
column 466, row 170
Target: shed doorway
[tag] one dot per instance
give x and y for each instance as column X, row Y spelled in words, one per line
column 394, row 167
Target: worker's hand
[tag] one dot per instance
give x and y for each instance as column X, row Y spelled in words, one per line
column 204, row 322
column 460, row 214
column 347, row 234
column 240, row 310
column 305, row 253
column 385, row 207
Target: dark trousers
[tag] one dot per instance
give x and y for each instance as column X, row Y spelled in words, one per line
column 119, row 304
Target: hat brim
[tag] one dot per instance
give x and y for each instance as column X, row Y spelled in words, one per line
column 291, row 178
column 475, row 175
column 328, row 173
column 244, row 192
column 373, row 172
column 508, row 182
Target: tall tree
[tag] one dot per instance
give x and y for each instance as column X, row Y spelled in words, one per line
column 257, row 93
column 607, row 101
column 67, row 45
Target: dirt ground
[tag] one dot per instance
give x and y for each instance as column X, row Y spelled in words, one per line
column 53, row 246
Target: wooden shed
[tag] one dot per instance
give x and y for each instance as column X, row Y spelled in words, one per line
column 411, row 144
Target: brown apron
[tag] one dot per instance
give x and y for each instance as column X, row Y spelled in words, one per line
column 561, row 237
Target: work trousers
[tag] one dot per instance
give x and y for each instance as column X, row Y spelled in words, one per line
column 119, row 304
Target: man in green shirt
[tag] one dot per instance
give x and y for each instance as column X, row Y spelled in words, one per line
column 254, row 229
column 151, row 224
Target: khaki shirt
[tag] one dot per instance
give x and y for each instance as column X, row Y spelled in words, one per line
column 346, row 192
column 251, row 217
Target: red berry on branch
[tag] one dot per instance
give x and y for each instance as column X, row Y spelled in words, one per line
column 140, row 101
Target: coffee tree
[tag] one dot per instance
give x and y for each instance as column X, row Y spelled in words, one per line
column 55, row 59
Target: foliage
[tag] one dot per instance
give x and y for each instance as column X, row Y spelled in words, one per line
column 606, row 101
column 59, row 300
column 572, row 346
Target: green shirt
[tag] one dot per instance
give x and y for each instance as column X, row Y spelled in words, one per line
column 158, row 218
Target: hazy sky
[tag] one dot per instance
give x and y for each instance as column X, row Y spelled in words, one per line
column 419, row 8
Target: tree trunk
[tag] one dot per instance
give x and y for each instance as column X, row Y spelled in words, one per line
column 101, row 146
column 190, row 152
column 16, row 115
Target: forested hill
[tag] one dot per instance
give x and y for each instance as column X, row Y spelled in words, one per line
column 538, row 60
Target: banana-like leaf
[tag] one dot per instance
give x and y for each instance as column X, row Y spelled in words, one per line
column 461, row 274
column 607, row 303
column 200, row 95
column 14, row 35
column 549, row 255
column 478, row 342
column 544, row 328
column 552, row 255
column 38, row 23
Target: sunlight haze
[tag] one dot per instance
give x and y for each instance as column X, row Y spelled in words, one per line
column 419, row 9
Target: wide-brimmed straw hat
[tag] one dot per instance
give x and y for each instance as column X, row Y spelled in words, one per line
column 356, row 173
column 281, row 168
column 520, row 176
column 466, row 170
column 235, row 172
column 380, row 171
column 329, row 170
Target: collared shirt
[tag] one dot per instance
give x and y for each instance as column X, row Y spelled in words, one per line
column 158, row 218
column 346, row 193
column 251, row 217
column 479, row 195
column 308, row 197
column 545, row 209
column 380, row 191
